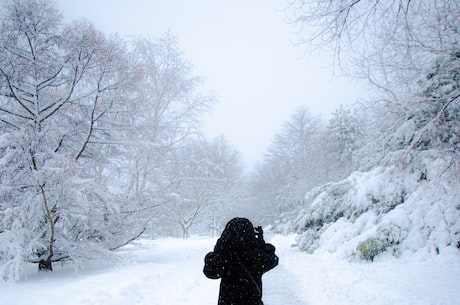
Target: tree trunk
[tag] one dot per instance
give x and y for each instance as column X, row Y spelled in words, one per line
column 184, row 230
column 45, row 265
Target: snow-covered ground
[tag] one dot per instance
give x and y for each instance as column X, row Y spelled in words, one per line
column 169, row 271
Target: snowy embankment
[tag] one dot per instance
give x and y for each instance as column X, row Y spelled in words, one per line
column 408, row 212
column 170, row 272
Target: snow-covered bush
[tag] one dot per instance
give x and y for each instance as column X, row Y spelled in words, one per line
column 399, row 209
column 371, row 247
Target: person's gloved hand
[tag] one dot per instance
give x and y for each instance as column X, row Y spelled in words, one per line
column 259, row 235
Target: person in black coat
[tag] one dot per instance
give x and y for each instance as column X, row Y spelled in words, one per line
column 239, row 259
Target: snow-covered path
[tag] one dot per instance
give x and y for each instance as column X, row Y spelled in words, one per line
column 169, row 272
column 280, row 287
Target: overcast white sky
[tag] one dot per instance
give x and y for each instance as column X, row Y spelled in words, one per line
column 244, row 50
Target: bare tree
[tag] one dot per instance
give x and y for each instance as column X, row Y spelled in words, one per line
column 387, row 43
column 204, row 184
column 394, row 47
column 167, row 107
column 377, row 26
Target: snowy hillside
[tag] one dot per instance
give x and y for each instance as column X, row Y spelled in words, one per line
column 401, row 194
column 170, row 272
column 395, row 210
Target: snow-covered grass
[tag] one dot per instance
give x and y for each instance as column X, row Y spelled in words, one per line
column 169, row 271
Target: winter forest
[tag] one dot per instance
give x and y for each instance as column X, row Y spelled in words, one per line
column 101, row 141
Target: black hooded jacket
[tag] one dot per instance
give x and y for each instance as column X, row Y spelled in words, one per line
column 239, row 259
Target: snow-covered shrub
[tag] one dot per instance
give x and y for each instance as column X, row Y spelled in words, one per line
column 10, row 253
column 371, row 247
column 398, row 209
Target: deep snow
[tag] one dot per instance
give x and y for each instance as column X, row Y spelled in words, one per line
column 169, row 271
